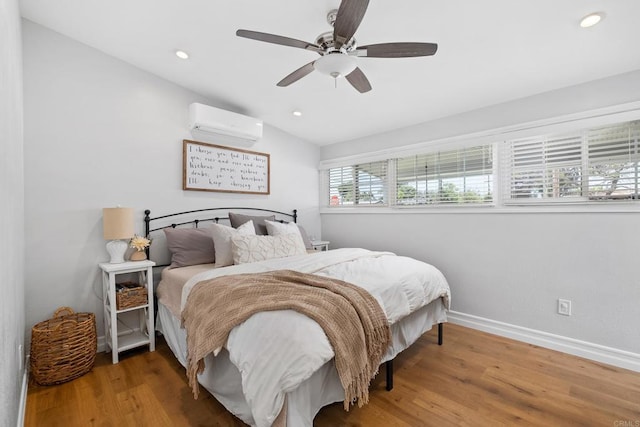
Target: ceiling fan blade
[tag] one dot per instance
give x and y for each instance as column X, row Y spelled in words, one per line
column 358, row 80
column 275, row 39
column 397, row 50
column 296, row 75
column 348, row 20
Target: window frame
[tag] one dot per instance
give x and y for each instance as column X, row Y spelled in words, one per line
column 584, row 143
column 462, row 155
column 355, row 187
column 497, row 136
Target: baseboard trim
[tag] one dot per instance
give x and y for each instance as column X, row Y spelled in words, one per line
column 23, row 394
column 612, row 356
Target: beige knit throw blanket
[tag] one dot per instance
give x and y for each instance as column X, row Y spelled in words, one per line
column 352, row 319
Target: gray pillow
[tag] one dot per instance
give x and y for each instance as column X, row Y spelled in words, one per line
column 305, row 237
column 237, row 220
column 190, row 246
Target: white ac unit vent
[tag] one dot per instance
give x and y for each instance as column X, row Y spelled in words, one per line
column 215, row 125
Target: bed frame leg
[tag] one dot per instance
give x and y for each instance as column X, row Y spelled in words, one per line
column 389, row 363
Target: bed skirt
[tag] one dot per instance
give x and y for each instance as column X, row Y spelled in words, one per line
column 223, row 380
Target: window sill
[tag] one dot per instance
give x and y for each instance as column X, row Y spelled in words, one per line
column 490, row 209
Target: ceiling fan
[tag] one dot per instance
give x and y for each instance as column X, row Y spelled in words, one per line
column 338, row 49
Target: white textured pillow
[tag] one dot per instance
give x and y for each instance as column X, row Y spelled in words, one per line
column 275, row 228
column 222, row 235
column 258, row 248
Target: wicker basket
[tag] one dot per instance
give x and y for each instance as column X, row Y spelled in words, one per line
column 130, row 294
column 64, row 347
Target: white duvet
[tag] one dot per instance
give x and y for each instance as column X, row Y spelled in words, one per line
column 276, row 351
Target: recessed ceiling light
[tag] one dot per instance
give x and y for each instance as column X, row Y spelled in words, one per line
column 591, row 19
column 297, row 113
column 182, row 54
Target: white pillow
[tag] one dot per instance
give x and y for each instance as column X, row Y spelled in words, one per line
column 275, row 228
column 222, row 235
column 259, row 248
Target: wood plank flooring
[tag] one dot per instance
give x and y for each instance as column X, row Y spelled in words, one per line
column 474, row 379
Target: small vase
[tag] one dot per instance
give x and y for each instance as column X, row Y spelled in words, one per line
column 138, row 256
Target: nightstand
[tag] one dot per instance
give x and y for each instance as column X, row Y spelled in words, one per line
column 137, row 337
column 320, row 245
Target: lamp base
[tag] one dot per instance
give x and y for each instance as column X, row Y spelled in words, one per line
column 116, row 249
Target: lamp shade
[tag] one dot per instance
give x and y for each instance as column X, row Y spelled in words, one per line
column 117, row 223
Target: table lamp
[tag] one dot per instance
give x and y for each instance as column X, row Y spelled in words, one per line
column 118, row 225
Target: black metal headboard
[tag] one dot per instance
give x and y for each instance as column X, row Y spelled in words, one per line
column 198, row 216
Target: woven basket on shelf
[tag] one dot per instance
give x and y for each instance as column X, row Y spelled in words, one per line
column 63, row 347
column 130, row 294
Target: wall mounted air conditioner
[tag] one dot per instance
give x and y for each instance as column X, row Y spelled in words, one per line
column 220, row 126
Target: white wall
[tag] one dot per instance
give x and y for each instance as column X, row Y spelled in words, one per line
column 100, row 132
column 512, row 267
column 615, row 90
column 12, row 327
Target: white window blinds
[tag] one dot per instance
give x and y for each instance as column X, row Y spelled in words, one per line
column 446, row 177
column 614, row 152
column 594, row 164
column 544, row 167
column 359, row 185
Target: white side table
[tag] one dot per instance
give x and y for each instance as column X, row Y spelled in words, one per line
column 138, row 337
column 320, row 245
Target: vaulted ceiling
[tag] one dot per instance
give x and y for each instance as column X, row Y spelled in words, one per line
column 489, row 52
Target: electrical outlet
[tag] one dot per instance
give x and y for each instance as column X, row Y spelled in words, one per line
column 564, row 307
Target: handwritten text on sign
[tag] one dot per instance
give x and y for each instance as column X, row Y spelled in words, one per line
column 209, row 167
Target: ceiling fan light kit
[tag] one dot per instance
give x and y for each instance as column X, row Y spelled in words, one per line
column 335, row 64
column 338, row 50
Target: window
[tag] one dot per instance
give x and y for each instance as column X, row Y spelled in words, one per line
column 463, row 176
column 614, row 153
column 545, row 168
column 359, row 185
column 595, row 164
column 592, row 165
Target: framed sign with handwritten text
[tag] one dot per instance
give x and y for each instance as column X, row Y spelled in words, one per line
column 208, row 167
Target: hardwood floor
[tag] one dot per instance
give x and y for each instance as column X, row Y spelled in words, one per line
column 473, row 379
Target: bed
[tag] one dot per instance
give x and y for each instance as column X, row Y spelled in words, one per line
column 278, row 367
